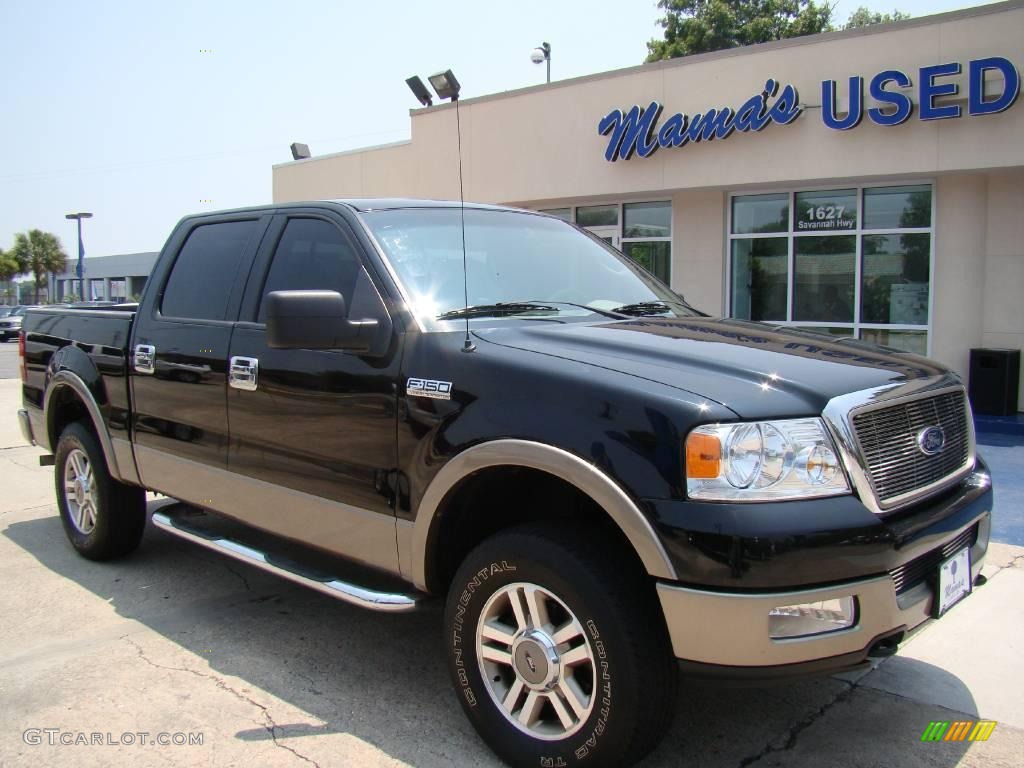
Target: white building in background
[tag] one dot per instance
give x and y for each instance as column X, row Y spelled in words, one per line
column 863, row 183
column 110, row 278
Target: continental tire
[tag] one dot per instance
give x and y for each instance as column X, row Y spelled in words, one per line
column 558, row 650
column 103, row 519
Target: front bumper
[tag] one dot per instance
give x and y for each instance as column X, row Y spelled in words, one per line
column 727, row 632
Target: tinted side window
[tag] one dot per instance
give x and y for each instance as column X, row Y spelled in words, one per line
column 205, row 271
column 312, row 255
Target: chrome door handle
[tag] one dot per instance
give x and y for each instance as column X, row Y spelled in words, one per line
column 145, row 358
column 242, row 373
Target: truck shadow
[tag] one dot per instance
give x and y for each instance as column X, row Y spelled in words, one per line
column 382, row 678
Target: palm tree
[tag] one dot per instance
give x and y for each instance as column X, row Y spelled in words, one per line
column 38, row 252
column 8, row 269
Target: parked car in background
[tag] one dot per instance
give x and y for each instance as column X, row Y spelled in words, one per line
column 10, row 323
column 5, row 310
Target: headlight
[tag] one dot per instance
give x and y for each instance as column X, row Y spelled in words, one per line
column 763, row 461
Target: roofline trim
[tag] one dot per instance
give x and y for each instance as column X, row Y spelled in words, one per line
column 355, row 151
column 874, row 29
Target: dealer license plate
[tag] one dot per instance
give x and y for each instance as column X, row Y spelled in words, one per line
column 954, row 580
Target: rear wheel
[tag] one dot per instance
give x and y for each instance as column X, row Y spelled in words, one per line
column 102, row 518
column 559, row 652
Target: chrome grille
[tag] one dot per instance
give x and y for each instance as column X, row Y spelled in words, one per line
column 887, row 437
column 911, row 574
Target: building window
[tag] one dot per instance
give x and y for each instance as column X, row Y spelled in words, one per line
column 847, row 262
column 642, row 231
column 565, row 214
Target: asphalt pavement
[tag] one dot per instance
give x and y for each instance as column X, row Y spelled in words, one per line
column 176, row 640
column 8, row 359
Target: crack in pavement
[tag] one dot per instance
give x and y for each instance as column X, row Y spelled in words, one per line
column 268, row 723
column 793, row 732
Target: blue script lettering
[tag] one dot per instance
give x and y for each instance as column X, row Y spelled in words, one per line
column 637, row 131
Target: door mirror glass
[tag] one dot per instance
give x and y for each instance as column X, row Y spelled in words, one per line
column 316, row 320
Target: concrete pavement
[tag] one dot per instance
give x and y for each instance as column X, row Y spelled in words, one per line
column 176, row 639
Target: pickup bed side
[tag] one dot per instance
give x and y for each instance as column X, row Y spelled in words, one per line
column 77, row 368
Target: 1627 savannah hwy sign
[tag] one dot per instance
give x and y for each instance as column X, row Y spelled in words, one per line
column 639, row 132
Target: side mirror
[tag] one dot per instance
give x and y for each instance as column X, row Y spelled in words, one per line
column 315, row 320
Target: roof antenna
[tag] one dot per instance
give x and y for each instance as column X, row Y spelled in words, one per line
column 447, row 87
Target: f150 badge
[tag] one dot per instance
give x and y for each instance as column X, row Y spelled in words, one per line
column 438, row 390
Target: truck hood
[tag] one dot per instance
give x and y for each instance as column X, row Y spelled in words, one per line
column 755, row 370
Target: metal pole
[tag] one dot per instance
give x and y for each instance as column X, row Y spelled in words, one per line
column 548, row 57
column 81, row 267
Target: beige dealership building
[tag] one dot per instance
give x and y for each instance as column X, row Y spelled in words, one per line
column 866, row 183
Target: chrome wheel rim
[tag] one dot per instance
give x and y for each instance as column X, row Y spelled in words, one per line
column 80, row 491
column 536, row 661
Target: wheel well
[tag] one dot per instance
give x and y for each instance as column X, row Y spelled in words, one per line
column 67, row 407
column 506, row 496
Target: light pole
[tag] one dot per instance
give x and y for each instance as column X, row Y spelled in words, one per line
column 80, row 269
column 542, row 53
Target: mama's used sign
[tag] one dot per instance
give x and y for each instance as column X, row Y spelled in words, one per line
column 640, row 131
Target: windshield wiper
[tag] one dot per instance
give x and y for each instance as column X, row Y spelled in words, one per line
column 642, row 308
column 606, row 312
column 496, row 310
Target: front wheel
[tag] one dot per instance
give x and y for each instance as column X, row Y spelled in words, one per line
column 558, row 651
column 102, row 518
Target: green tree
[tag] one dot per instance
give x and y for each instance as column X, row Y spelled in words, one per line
column 8, row 270
column 699, row 26
column 38, row 252
column 862, row 17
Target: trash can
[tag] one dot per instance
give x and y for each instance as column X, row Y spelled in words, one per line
column 994, row 381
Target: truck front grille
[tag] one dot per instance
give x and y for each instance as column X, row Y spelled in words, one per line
column 896, row 466
column 909, row 575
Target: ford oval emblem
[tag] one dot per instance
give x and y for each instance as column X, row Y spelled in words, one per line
column 931, row 440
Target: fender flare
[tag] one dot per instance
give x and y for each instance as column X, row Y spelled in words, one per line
column 65, row 378
column 555, row 461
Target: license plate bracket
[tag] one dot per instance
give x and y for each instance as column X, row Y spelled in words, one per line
column 953, row 581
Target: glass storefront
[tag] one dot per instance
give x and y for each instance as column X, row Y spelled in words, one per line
column 853, row 261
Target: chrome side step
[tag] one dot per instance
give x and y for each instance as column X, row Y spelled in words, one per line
column 341, row 590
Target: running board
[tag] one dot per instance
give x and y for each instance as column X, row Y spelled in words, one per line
column 350, row 593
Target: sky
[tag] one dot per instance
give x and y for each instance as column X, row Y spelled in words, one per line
column 142, row 112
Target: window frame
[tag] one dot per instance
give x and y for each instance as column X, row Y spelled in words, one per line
column 264, row 262
column 260, row 219
column 791, row 234
column 620, row 228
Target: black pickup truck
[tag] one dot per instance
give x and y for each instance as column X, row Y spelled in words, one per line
column 389, row 400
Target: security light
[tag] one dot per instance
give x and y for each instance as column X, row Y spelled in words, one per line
column 419, row 90
column 445, row 85
column 300, row 151
column 541, row 54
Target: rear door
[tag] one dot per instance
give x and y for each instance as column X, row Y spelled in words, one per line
column 179, row 357
column 314, row 430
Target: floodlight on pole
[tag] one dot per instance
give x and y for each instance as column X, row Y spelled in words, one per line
column 419, row 90
column 445, row 85
column 80, row 269
column 540, row 54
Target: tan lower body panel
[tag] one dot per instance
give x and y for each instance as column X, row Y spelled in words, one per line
column 731, row 629
column 358, row 534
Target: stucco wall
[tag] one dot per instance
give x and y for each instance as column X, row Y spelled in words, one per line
column 542, row 143
column 1003, row 313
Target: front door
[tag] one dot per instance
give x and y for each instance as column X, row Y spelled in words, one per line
column 313, row 431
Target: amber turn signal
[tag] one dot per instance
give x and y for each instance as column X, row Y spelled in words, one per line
column 703, row 456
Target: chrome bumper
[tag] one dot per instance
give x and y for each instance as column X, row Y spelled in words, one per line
column 730, row 629
column 26, row 427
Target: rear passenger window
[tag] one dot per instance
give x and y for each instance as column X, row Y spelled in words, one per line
column 205, row 271
column 312, row 255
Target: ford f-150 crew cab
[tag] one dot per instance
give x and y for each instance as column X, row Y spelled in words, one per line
column 602, row 483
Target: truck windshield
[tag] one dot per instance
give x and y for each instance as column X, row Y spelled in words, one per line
column 513, row 260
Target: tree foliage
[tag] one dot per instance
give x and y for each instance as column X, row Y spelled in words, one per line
column 699, row 26
column 863, row 17
column 38, row 252
column 8, row 269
